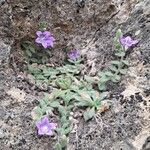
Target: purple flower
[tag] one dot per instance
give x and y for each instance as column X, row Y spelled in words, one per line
column 128, row 41
column 45, row 38
column 73, row 54
column 45, row 127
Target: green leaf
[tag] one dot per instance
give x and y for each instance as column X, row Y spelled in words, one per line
column 37, row 113
column 103, row 95
column 42, row 103
column 61, row 131
column 76, row 61
column 63, row 119
column 86, row 96
column 40, row 77
column 70, row 107
column 33, row 70
column 46, row 98
column 108, row 73
column 82, row 104
column 113, row 68
column 43, row 25
column 118, row 33
column 55, row 104
column 118, row 46
column 115, row 78
column 62, row 110
column 64, row 83
column 68, row 97
column 89, row 114
column 102, row 86
column 32, row 49
column 97, row 103
column 63, row 141
column 73, row 69
column 115, row 62
column 49, row 110
column 28, row 53
column 90, row 79
column 67, row 130
column 57, row 93
column 123, row 71
column 101, row 73
column 65, row 125
column 58, row 146
column 104, row 78
column 49, row 72
column 120, row 54
column 126, row 62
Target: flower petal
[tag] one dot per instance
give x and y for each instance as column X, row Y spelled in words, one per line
column 44, row 44
column 38, row 33
column 46, row 33
column 40, row 132
column 38, row 40
column 135, row 42
column 73, row 54
column 38, row 124
column 52, row 38
column 50, row 43
column 53, row 125
column 128, row 38
column 49, row 133
column 45, row 119
column 122, row 40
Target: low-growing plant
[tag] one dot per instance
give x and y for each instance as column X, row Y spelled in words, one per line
column 91, row 100
column 71, row 89
column 35, row 51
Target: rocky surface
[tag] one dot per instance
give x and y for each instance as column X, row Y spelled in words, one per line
column 88, row 25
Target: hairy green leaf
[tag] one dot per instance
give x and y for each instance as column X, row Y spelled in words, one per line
column 37, row 113
column 64, row 82
column 120, row 54
column 34, row 70
column 28, row 53
column 91, row 79
column 115, row 62
column 126, row 62
column 83, row 104
column 118, row 33
column 49, row 72
column 108, row 73
column 55, row 104
column 115, row 78
column 58, row 146
column 63, row 141
column 113, row 68
column 49, row 110
column 102, row 86
column 123, row 71
column 89, row 114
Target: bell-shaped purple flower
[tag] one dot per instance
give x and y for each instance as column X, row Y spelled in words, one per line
column 73, row 54
column 128, row 41
column 45, row 127
column 45, row 38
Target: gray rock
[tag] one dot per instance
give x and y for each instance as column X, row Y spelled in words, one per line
column 2, row 112
column 2, row 135
column 146, row 145
column 123, row 146
column 4, row 51
column 2, row 1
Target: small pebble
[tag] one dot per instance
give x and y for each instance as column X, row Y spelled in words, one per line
column 138, row 32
